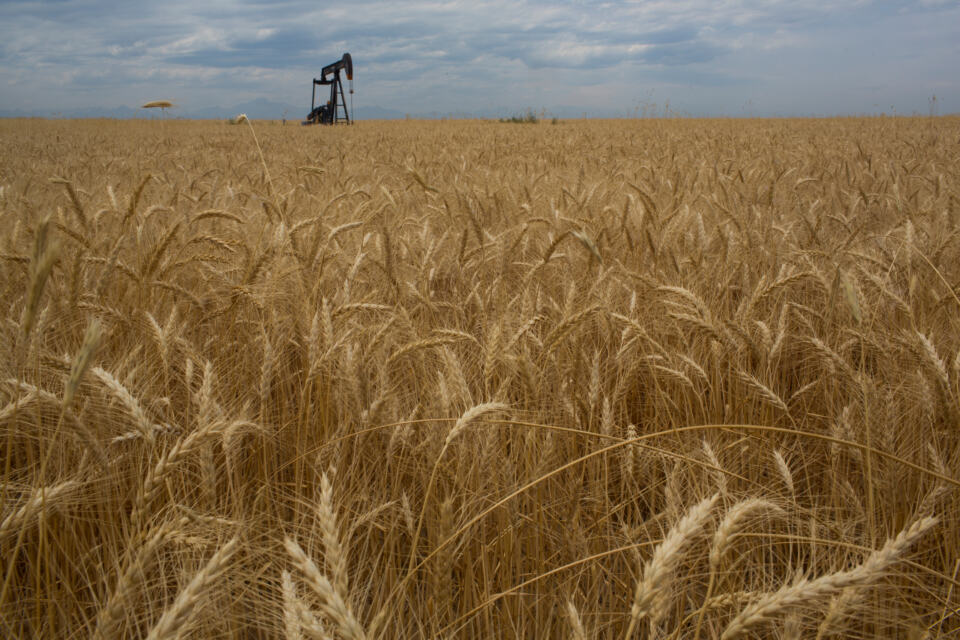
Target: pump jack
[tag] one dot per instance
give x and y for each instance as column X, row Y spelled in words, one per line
column 329, row 113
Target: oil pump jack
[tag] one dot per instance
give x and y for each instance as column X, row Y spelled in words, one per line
column 330, row 113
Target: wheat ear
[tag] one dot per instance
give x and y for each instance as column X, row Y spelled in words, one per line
column 180, row 449
column 729, row 526
column 807, row 590
column 650, row 596
column 144, row 425
column 41, row 263
column 173, row 620
column 41, row 497
column 839, row 605
column 784, row 470
column 331, row 603
column 114, row 611
column 291, row 608
column 469, row 416
column 91, row 340
column 334, row 553
column 934, row 361
column 576, row 624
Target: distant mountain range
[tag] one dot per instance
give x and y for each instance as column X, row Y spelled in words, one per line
column 258, row 109
column 264, row 109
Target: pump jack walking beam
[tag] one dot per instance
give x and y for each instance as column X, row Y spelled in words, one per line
column 330, row 113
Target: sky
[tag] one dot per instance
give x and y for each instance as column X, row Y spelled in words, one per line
column 627, row 58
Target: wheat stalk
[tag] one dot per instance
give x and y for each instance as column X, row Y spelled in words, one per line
column 469, row 416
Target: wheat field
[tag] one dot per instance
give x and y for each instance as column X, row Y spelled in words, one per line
column 600, row 379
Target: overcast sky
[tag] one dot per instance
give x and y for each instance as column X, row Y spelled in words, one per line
column 706, row 57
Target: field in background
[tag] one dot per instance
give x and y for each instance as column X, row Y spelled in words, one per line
column 677, row 379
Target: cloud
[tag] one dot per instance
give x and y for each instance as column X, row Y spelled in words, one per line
column 460, row 56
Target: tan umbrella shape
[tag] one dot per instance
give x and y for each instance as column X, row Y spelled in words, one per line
column 163, row 104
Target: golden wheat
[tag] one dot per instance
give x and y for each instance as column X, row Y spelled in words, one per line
column 483, row 372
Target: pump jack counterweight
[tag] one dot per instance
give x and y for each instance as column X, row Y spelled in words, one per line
column 335, row 109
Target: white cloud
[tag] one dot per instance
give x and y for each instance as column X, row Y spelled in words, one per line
column 709, row 55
